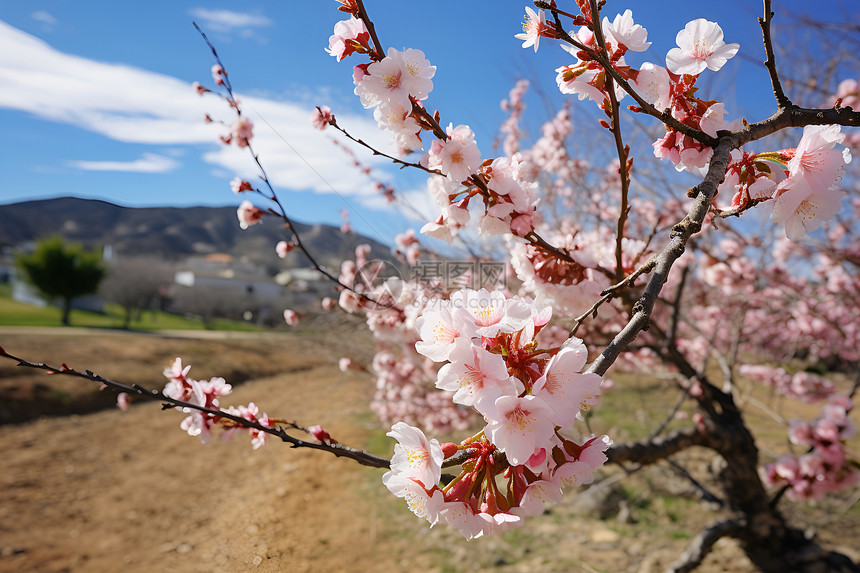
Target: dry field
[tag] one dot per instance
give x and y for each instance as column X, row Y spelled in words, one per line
column 129, row 491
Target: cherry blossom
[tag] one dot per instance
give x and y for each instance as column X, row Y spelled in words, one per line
column 321, row 117
column 291, row 317
column 284, row 247
column 519, row 425
column 350, row 36
column 415, row 457
column 240, row 186
column 248, row 214
column 458, row 156
column 534, row 27
column 700, row 46
column 806, row 198
column 623, row 34
column 395, row 78
column 242, row 131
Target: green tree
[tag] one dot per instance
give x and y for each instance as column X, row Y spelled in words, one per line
column 62, row 272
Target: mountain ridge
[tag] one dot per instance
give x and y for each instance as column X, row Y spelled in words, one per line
column 174, row 233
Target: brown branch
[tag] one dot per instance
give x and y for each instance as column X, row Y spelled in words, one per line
column 794, row 116
column 692, row 223
column 703, row 543
column 704, row 493
column 375, row 151
column 609, row 292
column 371, row 29
column 650, row 451
column 646, row 107
column 704, row 196
column 620, row 149
column 339, row 450
column 770, row 62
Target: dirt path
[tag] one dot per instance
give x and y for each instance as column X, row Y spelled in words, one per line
column 129, row 491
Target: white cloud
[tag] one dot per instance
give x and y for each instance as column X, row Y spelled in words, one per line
column 148, row 163
column 44, row 17
column 227, row 21
column 132, row 105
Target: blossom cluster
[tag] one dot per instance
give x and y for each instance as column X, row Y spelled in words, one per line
column 587, row 77
column 825, row 467
column 394, row 86
column 507, row 201
column 206, row 393
column 803, row 385
column 700, row 46
column 529, row 398
column 405, row 381
column 391, row 85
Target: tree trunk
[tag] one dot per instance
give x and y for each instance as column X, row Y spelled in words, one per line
column 66, row 310
column 770, row 543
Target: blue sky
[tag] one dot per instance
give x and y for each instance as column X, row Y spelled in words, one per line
column 96, row 99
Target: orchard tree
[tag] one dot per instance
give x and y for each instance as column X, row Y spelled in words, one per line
column 136, row 284
column 616, row 266
column 62, row 272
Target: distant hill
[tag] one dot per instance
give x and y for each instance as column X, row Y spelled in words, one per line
column 174, row 233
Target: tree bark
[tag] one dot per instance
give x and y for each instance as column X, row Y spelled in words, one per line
column 66, row 310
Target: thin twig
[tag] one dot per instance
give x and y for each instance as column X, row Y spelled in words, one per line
column 339, row 450
column 770, row 62
column 620, row 149
column 273, row 196
column 375, row 151
column 646, row 107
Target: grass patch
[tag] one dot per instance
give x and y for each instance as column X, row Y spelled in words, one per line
column 14, row 313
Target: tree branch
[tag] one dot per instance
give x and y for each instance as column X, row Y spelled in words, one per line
column 645, row 452
column 703, row 543
column 339, row 450
column 770, row 62
column 692, row 223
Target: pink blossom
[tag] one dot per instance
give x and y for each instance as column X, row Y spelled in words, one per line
column 534, row 27
column 522, row 225
column 350, row 36
column 700, row 46
column 291, row 317
column 622, row 33
column 519, row 425
column 242, row 131
column 250, row 413
column 199, row 88
column 536, row 496
column 321, row 435
column 218, row 74
column 415, row 457
column 349, row 301
column 438, row 333
column 238, row 185
column 476, row 377
column 249, row 214
column 564, row 390
column 806, row 197
column 394, row 79
column 458, row 156
column 654, row 86
column 328, row 303
column 284, row 247
column 321, row 117
column 123, row 400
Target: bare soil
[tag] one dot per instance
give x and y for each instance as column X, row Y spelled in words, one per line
column 129, row 491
